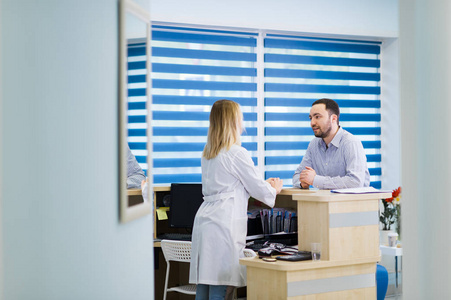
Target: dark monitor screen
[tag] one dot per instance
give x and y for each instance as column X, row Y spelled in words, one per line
column 185, row 201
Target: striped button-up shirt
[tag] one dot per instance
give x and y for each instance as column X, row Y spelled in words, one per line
column 340, row 165
column 134, row 172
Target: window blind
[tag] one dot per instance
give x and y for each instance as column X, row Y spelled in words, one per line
column 137, row 112
column 191, row 69
column 300, row 70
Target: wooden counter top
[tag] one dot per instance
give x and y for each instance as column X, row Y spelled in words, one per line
column 328, row 196
column 281, row 265
column 292, row 191
column 161, row 188
column 134, row 192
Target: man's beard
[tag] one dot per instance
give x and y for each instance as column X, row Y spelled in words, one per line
column 324, row 134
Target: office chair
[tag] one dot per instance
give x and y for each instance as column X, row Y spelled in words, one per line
column 177, row 251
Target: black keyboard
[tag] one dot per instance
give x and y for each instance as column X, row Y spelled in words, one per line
column 175, row 236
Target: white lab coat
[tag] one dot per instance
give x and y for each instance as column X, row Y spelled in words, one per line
column 220, row 226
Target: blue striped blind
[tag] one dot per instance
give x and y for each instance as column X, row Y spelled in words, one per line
column 192, row 68
column 300, row 70
column 137, row 106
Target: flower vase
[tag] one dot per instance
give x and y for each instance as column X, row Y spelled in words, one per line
column 383, row 237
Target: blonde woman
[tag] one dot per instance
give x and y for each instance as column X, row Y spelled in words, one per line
column 229, row 177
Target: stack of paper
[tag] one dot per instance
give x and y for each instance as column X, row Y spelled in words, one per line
column 360, row 190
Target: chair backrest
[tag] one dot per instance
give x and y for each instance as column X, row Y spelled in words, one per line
column 249, row 253
column 176, row 250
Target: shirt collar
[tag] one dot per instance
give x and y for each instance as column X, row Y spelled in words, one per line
column 337, row 138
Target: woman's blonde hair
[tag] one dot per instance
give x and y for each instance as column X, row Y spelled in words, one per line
column 225, row 127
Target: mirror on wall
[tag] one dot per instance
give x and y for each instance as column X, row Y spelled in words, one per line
column 134, row 111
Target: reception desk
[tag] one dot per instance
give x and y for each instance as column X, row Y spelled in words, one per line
column 347, row 226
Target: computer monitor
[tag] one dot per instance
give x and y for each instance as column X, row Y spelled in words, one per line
column 185, row 201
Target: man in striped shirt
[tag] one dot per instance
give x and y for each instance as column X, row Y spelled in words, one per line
column 335, row 159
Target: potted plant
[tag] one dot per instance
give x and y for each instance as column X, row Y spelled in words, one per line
column 391, row 214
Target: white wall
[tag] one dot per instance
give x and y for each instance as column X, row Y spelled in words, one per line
column 348, row 17
column 1, row 165
column 61, row 236
column 425, row 47
column 390, row 112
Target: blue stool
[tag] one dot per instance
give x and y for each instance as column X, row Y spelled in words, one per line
column 381, row 281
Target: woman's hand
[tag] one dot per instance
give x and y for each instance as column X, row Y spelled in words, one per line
column 276, row 183
column 144, row 189
column 143, row 184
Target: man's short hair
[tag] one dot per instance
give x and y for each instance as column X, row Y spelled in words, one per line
column 331, row 107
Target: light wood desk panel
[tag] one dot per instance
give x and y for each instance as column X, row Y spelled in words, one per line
column 347, row 228
column 346, row 225
column 311, row 280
